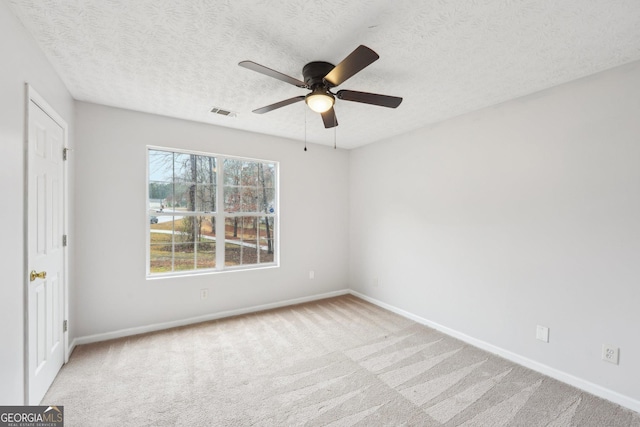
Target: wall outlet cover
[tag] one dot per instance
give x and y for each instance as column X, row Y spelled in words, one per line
column 610, row 353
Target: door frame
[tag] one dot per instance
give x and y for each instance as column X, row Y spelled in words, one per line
column 32, row 96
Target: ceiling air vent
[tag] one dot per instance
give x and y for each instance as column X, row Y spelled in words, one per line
column 216, row 110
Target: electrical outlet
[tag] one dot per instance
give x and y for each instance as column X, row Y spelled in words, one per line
column 542, row 333
column 312, row 274
column 204, row 293
column 610, row 353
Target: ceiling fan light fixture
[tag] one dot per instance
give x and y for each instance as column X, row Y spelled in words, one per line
column 319, row 101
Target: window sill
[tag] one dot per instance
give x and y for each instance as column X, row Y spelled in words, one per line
column 192, row 273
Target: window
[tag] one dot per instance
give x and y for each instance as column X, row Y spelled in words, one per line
column 210, row 213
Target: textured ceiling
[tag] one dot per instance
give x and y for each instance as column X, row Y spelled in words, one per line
column 179, row 57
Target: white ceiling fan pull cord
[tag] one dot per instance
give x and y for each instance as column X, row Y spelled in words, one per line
column 335, row 131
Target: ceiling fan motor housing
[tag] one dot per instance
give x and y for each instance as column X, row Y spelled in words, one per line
column 314, row 73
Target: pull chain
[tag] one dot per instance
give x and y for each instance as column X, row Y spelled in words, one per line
column 335, row 131
column 305, row 129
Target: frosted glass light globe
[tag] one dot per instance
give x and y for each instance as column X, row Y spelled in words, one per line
column 319, row 102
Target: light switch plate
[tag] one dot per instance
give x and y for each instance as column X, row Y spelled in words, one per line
column 542, row 333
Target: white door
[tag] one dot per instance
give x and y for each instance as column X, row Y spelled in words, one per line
column 45, row 252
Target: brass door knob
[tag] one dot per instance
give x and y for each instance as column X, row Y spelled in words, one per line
column 33, row 275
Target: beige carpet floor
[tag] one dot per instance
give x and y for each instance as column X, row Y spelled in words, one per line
column 335, row 362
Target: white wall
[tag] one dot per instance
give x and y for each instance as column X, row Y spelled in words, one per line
column 523, row 214
column 22, row 61
column 112, row 291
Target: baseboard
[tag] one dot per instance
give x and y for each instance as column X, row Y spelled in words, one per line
column 189, row 321
column 580, row 383
column 72, row 347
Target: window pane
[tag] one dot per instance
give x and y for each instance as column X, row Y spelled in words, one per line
column 180, row 196
column 267, row 200
column 160, row 244
column 232, row 170
column 160, row 179
column 267, row 240
column 205, row 170
column 206, row 256
column 160, row 166
column 232, row 189
column 249, row 174
column 269, row 178
column 241, row 236
column 250, row 239
column 267, row 252
column 205, row 198
column 159, row 193
column 207, row 226
column 187, row 173
column 161, row 253
column 232, row 199
column 184, row 167
column 233, row 241
column 183, row 257
column 186, row 229
column 249, row 253
column 190, row 197
column 249, row 199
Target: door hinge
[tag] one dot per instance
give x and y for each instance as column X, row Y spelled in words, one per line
column 65, row 153
column 64, row 326
column 64, row 240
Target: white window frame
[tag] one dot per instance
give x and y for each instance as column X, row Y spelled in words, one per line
column 220, row 215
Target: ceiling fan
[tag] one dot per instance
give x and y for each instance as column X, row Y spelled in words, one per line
column 320, row 77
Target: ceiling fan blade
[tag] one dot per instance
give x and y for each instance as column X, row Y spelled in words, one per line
column 369, row 98
column 352, row 64
column 279, row 105
column 271, row 73
column 329, row 118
